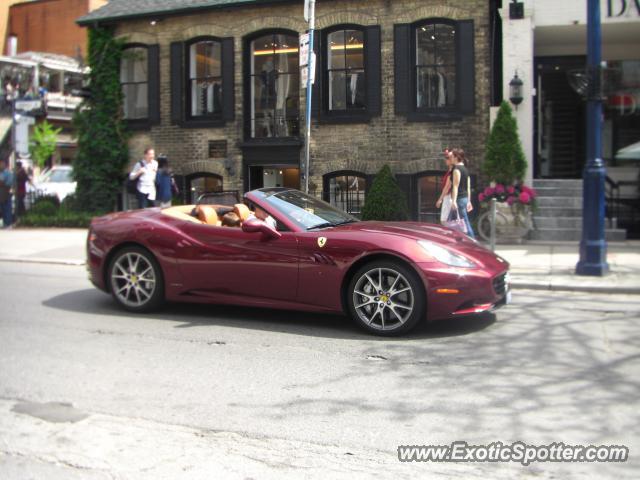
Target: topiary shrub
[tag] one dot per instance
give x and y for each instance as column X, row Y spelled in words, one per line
column 504, row 161
column 44, row 207
column 385, row 200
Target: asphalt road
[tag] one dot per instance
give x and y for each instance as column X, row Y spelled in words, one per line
column 89, row 391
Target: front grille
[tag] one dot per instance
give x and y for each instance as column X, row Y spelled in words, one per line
column 500, row 285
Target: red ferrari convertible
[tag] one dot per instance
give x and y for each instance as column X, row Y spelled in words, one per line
column 285, row 249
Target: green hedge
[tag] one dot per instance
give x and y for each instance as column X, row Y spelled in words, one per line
column 61, row 218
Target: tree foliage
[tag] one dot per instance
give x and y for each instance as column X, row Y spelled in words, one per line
column 102, row 135
column 43, row 142
column 504, row 159
column 385, row 200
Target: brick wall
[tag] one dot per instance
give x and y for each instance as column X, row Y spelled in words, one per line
column 409, row 147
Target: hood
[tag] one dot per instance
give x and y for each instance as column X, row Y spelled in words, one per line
column 444, row 236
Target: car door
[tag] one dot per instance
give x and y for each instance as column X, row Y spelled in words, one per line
column 228, row 261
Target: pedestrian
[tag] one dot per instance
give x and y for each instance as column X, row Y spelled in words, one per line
column 22, row 178
column 444, row 201
column 144, row 172
column 6, row 185
column 460, row 190
column 166, row 186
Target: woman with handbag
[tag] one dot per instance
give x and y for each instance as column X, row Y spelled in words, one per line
column 444, row 202
column 460, row 192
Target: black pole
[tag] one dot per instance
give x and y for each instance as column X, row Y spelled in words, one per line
column 593, row 247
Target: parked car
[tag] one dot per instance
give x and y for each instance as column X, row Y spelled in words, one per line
column 294, row 252
column 58, row 181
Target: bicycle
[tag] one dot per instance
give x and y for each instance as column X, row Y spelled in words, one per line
column 518, row 225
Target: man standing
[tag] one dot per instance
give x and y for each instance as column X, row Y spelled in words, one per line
column 22, row 178
column 145, row 172
column 6, row 184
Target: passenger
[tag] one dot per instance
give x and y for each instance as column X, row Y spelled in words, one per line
column 230, row 219
column 265, row 217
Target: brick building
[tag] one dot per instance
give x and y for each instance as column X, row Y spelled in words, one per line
column 44, row 26
column 215, row 85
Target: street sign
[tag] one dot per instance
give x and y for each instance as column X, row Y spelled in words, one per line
column 304, row 72
column 304, row 49
column 28, row 105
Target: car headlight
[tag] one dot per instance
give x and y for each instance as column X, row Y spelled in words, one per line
column 445, row 256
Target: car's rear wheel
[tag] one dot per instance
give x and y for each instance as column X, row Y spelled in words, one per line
column 136, row 280
column 386, row 298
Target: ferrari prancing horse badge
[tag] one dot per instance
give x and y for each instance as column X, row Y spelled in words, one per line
column 322, row 241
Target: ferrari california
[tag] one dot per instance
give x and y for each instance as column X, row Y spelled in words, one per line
column 284, row 249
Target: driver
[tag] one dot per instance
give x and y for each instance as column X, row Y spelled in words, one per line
column 265, row 217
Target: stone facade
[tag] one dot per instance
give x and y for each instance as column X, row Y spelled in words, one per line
column 409, row 147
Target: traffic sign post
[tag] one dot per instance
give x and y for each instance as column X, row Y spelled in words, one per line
column 310, row 16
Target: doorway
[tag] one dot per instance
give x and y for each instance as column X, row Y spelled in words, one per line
column 266, row 176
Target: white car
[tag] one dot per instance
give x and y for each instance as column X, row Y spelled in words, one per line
column 58, row 180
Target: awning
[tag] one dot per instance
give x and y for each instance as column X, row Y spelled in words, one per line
column 630, row 152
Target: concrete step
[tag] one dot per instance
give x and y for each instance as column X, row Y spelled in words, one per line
column 557, row 182
column 569, row 202
column 558, row 222
column 573, row 234
column 558, row 211
column 567, row 191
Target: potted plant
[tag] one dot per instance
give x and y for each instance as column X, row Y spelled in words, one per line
column 505, row 166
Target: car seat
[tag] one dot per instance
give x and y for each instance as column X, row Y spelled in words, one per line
column 207, row 214
column 242, row 211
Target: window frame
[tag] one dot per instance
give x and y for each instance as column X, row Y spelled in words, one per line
column 430, row 111
column 355, row 114
column 188, row 94
column 188, row 179
column 247, row 82
column 144, row 122
column 326, row 182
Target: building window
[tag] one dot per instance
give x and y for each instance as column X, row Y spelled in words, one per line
column 134, row 79
column 345, row 70
column 435, row 66
column 434, row 69
column 201, row 183
column 274, row 86
column 345, row 190
column 204, row 96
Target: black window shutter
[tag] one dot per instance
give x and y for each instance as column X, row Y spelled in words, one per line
column 228, row 85
column 177, row 89
column 373, row 74
column 316, row 89
column 153, row 92
column 402, row 67
column 466, row 71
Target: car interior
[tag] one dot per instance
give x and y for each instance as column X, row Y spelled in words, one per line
column 208, row 214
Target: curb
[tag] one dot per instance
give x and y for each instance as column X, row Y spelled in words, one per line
column 576, row 288
column 52, row 261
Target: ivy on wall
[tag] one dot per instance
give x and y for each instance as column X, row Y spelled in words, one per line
column 102, row 133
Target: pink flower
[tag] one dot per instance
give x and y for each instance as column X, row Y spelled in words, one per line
column 488, row 191
column 481, row 197
column 511, row 200
column 525, row 197
column 511, row 189
column 499, row 188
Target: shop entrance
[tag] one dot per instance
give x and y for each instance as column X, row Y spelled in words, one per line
column 559, row 119
column 264, row 176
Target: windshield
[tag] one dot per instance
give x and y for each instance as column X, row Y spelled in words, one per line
column 59, row 176
column 306, row 211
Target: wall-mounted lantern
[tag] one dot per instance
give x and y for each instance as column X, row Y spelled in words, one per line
column 515, row 90
column 516, row 10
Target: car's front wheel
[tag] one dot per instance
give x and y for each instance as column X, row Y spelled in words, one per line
column 386, row 298
column 136, row 280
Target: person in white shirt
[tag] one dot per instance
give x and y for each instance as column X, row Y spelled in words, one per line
column 260, row 214
column 145, row 172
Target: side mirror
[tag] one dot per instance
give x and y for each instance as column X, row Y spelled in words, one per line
column 254, row 225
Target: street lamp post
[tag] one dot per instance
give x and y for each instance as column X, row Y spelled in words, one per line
column 593, row 246
column 310, row 14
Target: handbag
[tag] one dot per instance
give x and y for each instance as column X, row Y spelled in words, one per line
column 445, row 209
column 457, row 224
column 131, row 184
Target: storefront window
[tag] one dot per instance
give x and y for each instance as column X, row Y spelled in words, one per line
column 205, row 77
column 346, row 191
column 435, row 67
column 134, row 81
column 275, row 86
column 345, row 70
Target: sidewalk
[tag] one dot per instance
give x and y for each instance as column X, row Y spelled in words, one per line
column 539, row 266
